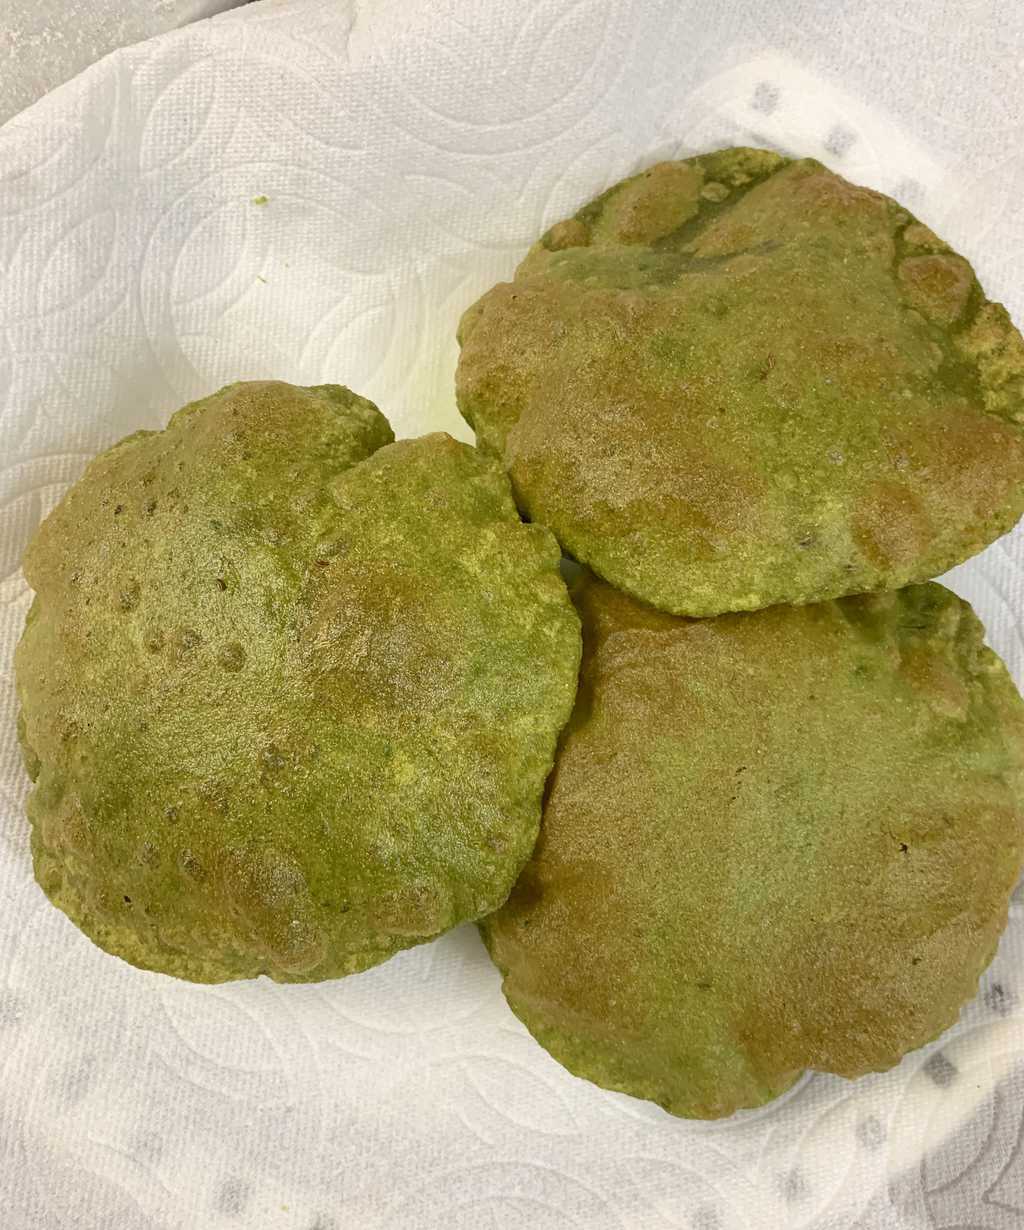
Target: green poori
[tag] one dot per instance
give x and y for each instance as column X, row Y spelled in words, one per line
column 289, row 691
column 772, row 842
column 739, row 380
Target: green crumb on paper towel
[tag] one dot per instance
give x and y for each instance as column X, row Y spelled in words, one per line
column 261, row 200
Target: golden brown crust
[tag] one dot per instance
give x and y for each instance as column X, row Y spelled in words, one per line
column 772, row 841
column 739, row 380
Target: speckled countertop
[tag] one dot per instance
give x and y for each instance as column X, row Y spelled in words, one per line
column 45, row 42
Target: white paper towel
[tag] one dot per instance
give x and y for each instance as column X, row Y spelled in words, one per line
column 408, row 151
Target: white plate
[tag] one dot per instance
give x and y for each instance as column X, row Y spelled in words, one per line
column 409, row 151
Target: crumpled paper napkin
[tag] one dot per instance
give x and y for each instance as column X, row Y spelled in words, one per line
column 314, row 190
